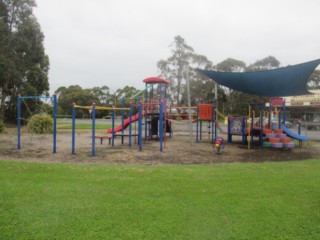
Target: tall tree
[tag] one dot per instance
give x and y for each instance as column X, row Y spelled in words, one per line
column 266, row 63
column 127, row 92
column 314, row 80
column 75, row 94
column 176, row 66
column 103, row 94
column 182, row 64
column 231, row 65
column 23, row 63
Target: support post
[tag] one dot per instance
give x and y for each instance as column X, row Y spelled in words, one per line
column 161, row 125
column 54, row 123
column 122, row 121
column 130, row 124
column 197, row 125
column 261, row 106
column 93, row 118
column 140, row 126
column 19, row 122
column 113, row 133
column 73, row 129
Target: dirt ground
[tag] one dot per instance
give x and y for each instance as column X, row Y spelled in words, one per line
column 177, row 150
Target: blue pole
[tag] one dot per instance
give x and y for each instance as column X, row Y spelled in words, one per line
column 73, row 128
column 122, row 120
column 229, row 130
column 161, row 126
column 146, row 110
column 140, row 126
column 279, row 120
column 19, row 121
column 269, row 116
column 113, row 133
column 243, row 124
column 284, row 111
column 170, row 123
column 213, row 124
column 261, row 125
column 130, row 126
column 200, row 130
column 197, row 124
column 54, row 123
column 251, row 128
column 33, row 97
column 93, row 118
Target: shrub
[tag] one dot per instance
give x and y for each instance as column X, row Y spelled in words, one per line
column 1, row 126
column 40, row 124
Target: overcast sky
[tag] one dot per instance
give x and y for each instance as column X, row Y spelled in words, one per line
column 119, row 42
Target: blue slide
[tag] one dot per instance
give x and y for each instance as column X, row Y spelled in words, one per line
column 293, row 134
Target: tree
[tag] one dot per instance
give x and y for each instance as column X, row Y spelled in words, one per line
column 231, row 65
column 79, row 96
column 267, row 63
column 24, row 65
column 201, row 87
column 127, row 92
column 314, row 80
column 176, row 66
column 103, row 94
column 182, row 64
column 231, row 97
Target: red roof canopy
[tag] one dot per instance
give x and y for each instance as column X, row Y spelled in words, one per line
column 156, row 80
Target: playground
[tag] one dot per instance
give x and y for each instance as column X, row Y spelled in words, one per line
column 97, row 183
column 153, row 137
column 178, row 150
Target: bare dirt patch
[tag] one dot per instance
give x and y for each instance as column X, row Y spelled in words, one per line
column 177, row 150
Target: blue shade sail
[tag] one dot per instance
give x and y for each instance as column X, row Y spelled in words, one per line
column 286, row 81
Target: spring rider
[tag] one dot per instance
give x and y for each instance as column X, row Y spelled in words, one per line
column 218, row 144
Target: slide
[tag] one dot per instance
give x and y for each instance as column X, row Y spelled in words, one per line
column 126, row 123
column 293, row 134
column 220, row 114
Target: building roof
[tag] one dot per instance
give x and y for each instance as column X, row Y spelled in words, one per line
column 286, row 81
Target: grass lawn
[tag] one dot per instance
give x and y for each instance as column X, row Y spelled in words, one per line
column 222, row 201
column 88, row 126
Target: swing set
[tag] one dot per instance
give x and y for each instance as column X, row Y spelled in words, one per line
column 54, row 99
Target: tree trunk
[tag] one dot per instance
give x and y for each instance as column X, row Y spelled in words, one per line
column 179, row 85
column 2, row 102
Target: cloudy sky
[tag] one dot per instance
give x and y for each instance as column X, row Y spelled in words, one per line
column 119, row 42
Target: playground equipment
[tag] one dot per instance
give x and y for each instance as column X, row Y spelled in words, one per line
column 279, row 106
column 150, row 115
column 54, row 98
column 237, row 126
column 206, row 113
column 154, row 108
column 276, row 136
column 218, row 144
column 93, row 109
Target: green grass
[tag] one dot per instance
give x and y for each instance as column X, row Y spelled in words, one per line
column 223, row 201
column 83, row 126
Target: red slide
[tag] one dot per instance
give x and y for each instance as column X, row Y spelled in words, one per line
column 126, row 123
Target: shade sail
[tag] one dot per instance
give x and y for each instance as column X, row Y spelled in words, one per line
column 286, row 81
